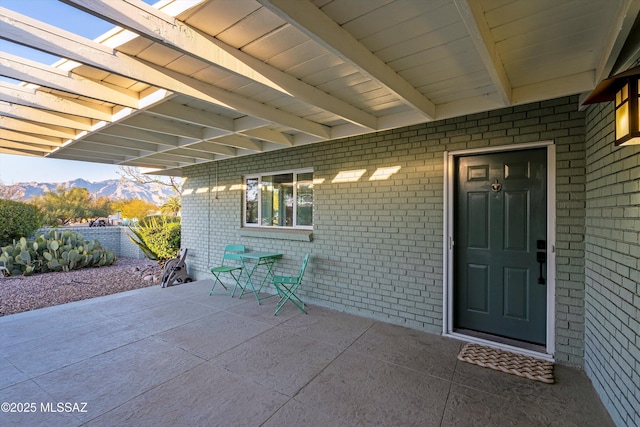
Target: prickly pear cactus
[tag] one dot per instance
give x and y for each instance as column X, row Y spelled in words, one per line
column 54, row 251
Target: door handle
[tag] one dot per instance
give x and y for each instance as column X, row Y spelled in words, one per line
column 541, row 257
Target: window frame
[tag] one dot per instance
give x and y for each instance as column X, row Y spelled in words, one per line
column 259, row 176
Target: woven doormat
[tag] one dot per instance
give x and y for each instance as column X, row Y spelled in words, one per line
column 511, row 363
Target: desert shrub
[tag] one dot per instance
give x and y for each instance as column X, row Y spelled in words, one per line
column 158, row 237
column 18, row 220
column 56, row 250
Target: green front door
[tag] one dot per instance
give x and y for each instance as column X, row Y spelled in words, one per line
column 500, row 247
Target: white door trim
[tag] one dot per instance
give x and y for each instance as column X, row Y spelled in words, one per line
column 448, row 244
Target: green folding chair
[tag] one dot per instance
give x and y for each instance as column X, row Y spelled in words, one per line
column 286, row 286
column 231, row 266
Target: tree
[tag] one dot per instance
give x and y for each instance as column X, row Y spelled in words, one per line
column 133, row 174
column 172, row 206
column 65, row 205
column 134, row 208
column 101, row 207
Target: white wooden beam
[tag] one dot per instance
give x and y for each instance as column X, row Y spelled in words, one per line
column 53, row 40
column 214, row 147
column 175, row 111
column 196, row 154
column 169, row 159
column 89, row 156
column 161, row 125
column 147, row 21
column 239, row 141
column 28, row 153
column 35, row 128
column 30, row 97
column 619, row 31
column 5, row 143
column 266, row 134
column 28, row 138
column 87, row 145
column 43, row 75
column 245, row 123
column 151, row 23
column 473, row 17
column 568, row 85
column 312, row 21
column 107, row 140
column 45, row 117
column 135, row 134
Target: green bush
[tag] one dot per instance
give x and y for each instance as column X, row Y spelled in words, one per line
column 158, row 237
column 18, row 220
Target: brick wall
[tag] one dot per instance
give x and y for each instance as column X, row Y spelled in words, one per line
column 612, row 333
column 377, row 245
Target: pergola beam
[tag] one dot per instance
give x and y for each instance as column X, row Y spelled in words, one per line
column 473, row 17
column 36, row 128
column 20, row 146
column 153, row 24
column 44, row 75
column 58, row 42
column 28, row 138
column 314, row 23
column 45, row 117
column 29, row 97
column 174, row 111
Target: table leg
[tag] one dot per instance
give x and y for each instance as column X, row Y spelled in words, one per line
column 268, row 262
column 249, row 282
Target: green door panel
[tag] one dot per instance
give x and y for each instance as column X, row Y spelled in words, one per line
column 500, row 214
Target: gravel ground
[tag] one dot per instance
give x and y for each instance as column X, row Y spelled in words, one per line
column 20, row 293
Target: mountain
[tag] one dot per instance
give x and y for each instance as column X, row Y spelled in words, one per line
column 114, row 189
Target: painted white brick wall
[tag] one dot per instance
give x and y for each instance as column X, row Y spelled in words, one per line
column 612, row 315
column 377, row 245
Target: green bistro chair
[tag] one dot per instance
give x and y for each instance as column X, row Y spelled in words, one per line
column 231, row 266
column 287, row 287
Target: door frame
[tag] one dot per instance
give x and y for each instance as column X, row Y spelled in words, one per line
column 448, row 244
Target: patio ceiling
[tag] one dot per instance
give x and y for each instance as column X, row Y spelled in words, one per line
column 192, row 81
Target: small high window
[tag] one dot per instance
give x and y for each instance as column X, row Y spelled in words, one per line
column 283, row 199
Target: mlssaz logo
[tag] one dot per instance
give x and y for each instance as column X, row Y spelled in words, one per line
column 63, row 407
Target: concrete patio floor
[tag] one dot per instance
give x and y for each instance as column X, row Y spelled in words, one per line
column 179, row 357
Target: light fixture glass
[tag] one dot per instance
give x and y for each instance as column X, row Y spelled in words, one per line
column 622, row 89
column 628, row 113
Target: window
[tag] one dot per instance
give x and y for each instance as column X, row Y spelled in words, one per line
column 283, row 199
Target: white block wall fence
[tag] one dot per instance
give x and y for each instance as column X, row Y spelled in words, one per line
column 112, row 238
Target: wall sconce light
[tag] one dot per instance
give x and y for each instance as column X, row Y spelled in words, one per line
column 623, row 90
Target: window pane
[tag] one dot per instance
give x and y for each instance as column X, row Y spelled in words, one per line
column 305, row 199
column 251, row 214
column 277, row 200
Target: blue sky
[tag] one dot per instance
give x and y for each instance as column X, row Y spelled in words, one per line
column 14, row 169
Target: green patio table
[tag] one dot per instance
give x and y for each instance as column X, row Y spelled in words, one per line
column 257, row 259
